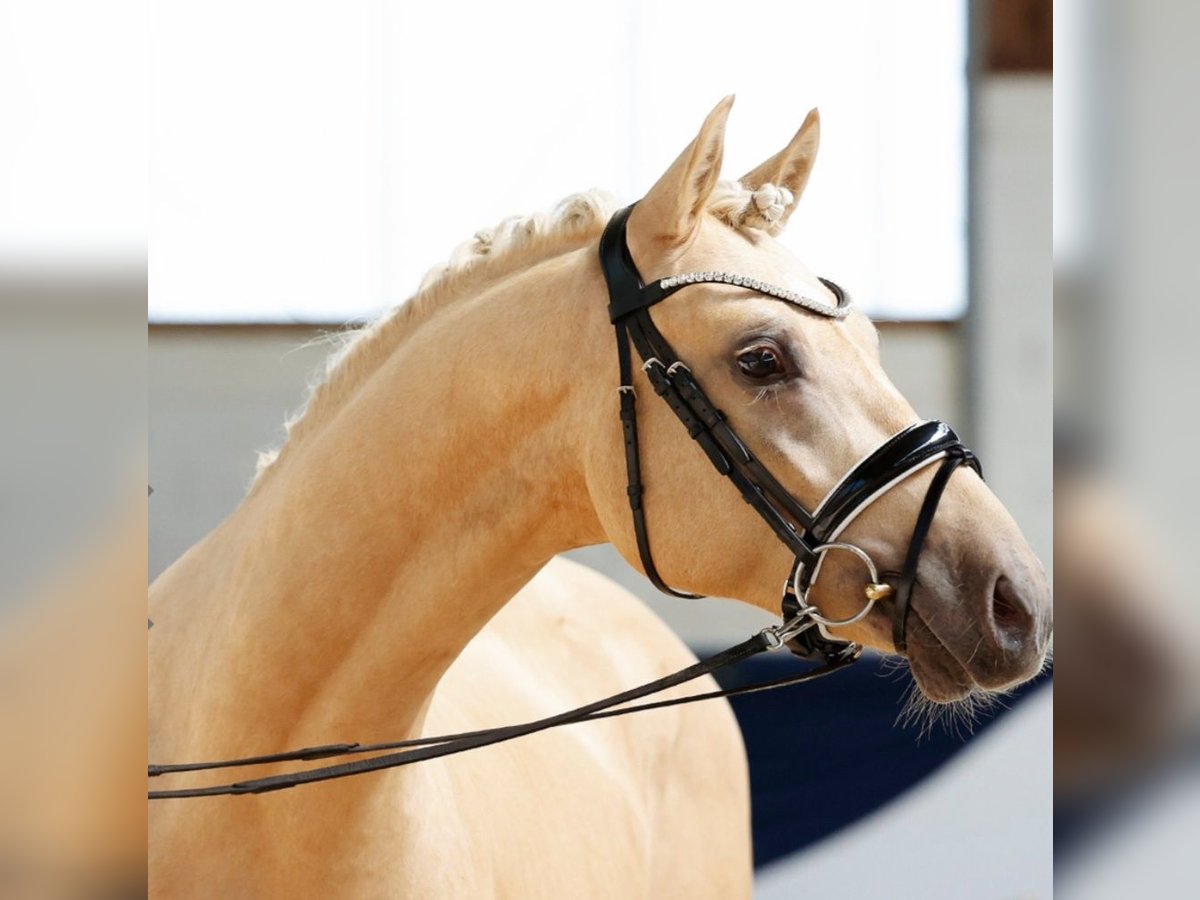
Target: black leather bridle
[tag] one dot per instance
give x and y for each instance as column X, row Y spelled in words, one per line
column 808, row 535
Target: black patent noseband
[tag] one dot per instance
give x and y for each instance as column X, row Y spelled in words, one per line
column 809, row 536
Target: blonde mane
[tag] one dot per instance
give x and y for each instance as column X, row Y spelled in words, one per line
column 513, row 245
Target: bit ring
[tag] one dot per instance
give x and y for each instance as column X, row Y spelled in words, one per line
column 874, row 591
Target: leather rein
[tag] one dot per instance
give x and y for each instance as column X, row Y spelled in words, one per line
column 809, row 536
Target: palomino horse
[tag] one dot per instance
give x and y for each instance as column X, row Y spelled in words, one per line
column 454, row 449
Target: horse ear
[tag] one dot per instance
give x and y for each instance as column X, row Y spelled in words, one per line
column 791, row 166
column 670, row 213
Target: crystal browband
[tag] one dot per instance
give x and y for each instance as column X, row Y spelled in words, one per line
column 788, row 296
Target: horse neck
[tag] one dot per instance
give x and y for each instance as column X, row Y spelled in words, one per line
column 347, row 582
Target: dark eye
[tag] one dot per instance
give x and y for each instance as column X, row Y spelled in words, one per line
column 761, row 362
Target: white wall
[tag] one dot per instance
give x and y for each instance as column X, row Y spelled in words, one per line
column 1011, row 334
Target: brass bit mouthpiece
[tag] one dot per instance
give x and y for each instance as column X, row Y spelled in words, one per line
column 876, row 591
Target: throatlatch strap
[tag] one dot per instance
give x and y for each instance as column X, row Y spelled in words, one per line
column 635, row 488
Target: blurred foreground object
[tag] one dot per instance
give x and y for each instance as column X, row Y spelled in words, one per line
column 73, row 726
column 1123, row 697
column 1127, row 791
column 72, row 582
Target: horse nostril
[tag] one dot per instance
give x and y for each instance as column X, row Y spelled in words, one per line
column 1009, row 614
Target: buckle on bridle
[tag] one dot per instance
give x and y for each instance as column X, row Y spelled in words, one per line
column 778, row 635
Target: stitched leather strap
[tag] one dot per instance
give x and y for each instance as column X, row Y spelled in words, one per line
column 633, row 466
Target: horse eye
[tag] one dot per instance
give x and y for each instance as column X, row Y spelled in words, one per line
column 760, row 362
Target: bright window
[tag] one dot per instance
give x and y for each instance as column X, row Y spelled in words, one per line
column 73, row 136
column 312, row 161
